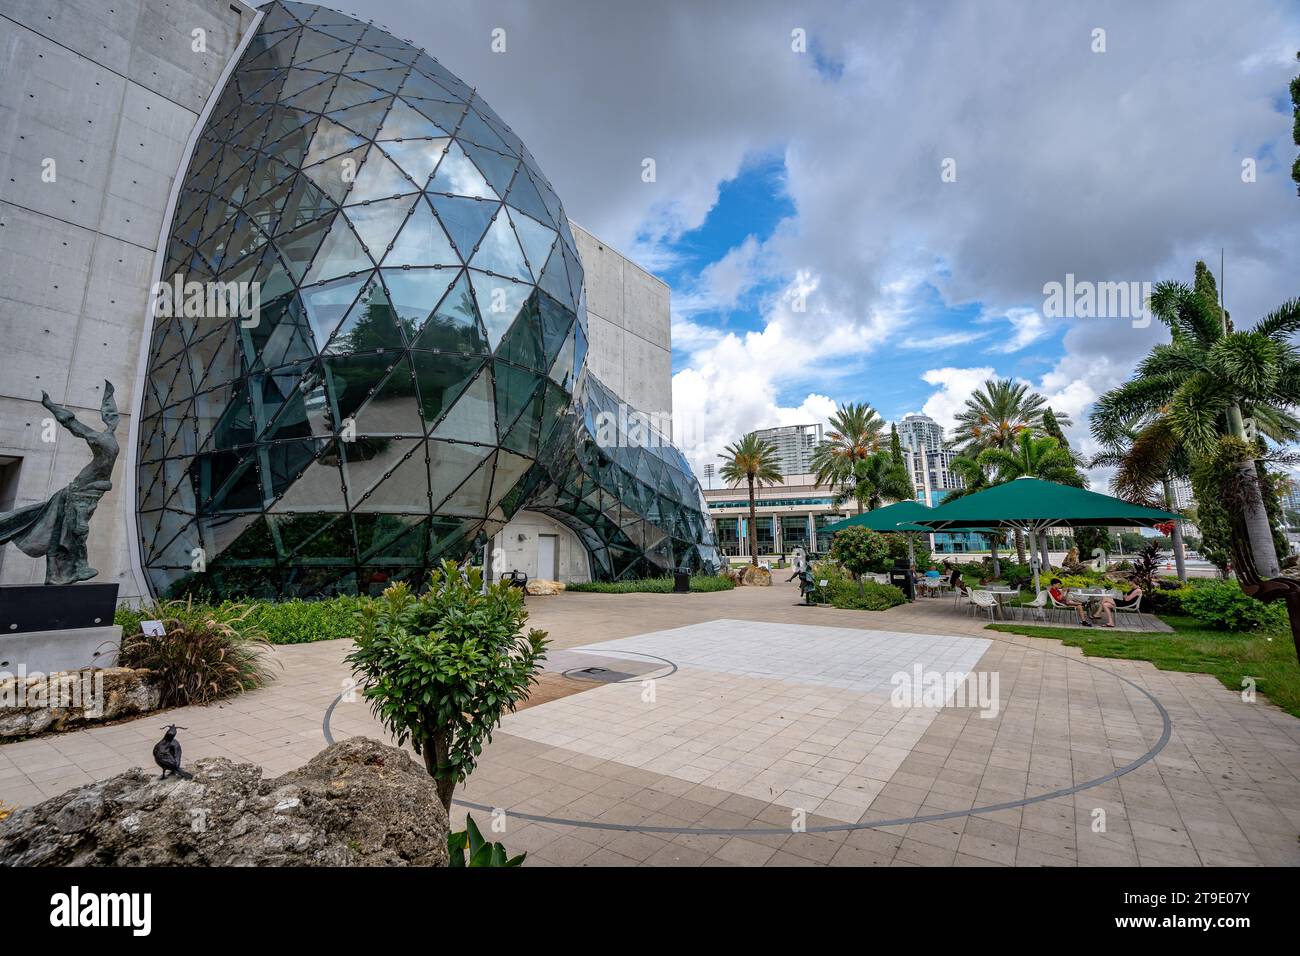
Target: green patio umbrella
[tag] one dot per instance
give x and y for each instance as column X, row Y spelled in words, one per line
column 1032, row 505
column 899, row 517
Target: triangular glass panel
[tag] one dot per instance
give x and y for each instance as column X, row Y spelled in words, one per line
column 535, row 239
column 299, row 247
column 416, row 157
column 458, row 175
column 363, row 119
column 327, row 304
column 371, row 461
column 450, row 464
column 340, row 254
column 391, row 410
column 454, row 327
column 499, row 252
column 413, row 294
column 348, row 92
column 440, row 378
column 371, row 326
column 510, row 469
column 475, row 130
column 377, row 224
column 473, row 417
column 474, row 496
column 330, row 139
column 446, row 116
column 335, row 176
column 555, row 279
column 464, row 219
column 497, row 169
column 319, row 489
column 388, row 78
column 523, row 195
column 499, row 301
column 378, row 179
column 422, row 242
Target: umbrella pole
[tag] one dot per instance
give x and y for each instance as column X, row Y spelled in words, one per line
column 911, row 550
column 993, row 549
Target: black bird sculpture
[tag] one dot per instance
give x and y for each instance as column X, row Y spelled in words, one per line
column 167, row 754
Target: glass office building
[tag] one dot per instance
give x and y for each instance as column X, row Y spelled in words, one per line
column 414, row 372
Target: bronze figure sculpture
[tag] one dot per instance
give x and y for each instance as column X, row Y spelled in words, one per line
column 57, row 529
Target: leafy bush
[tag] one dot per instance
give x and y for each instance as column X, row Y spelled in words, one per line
column 284, row 622
column 442, row 668
column 204, row 654
column 859, row 549
column 699, row 582
column 1014, row 573
column 468, row 848
column 867, row 596
column 1223, row 606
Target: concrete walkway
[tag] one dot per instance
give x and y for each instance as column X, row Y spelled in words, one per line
column 740, row 717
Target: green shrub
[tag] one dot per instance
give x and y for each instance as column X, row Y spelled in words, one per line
column 857, row 596
column 859, row 549
column 1225, row 607
column 204, row 653
column 441, row 669
column 300, row 622
column 699, row 582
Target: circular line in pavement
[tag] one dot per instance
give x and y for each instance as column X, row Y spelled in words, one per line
column 1166, row 731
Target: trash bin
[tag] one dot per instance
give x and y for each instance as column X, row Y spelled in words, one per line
column 901, row 578
column 681, row 582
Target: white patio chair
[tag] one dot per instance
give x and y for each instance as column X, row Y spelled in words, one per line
column 1037, row 607
column 985, row 600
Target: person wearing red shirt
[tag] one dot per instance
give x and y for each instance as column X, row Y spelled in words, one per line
column 1060, row 597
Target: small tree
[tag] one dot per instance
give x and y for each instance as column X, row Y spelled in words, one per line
column 858, row 550
column 441, row 669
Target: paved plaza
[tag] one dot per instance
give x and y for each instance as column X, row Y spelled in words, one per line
column 706, row 729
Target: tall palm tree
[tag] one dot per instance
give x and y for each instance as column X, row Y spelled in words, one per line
column 1032, row 457
column 874, row 480
column 855, row 433
column 753, row 461
column 1147, row 457
column 1208, row 381
column 996, row 414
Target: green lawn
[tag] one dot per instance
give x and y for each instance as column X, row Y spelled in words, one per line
column 1267, row 655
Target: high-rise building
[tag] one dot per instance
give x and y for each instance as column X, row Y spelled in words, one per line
column 928, row 461
column 794, row 446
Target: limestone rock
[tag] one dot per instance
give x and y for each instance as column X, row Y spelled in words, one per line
column 356, row 803
column 542, row 586
column 35, row 704
column 756, row 577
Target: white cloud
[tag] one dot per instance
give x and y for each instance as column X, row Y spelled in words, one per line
column 955, row 386
column 1027, row 327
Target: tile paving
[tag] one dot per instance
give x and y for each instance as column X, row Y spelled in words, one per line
column 766, row 716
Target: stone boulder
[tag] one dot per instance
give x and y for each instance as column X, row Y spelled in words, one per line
column 756, row 577
column 34, row 704
column 356, row 803
column 542, row 586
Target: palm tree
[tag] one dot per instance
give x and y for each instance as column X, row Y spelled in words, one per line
column 874, row 480
column 1031, row 458
column 854, row 434
column 753, row 461
column 1208, row 381
column 996, row 414
column 1145, row 457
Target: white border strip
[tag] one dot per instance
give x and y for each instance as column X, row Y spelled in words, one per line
column 134, row 544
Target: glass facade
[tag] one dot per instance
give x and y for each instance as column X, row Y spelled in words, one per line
column 414, row 372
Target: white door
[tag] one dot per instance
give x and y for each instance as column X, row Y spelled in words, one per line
column 547, row 557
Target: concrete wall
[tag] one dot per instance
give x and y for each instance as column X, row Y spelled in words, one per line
column 519, row 548
column 109, row 90
column 630, row 348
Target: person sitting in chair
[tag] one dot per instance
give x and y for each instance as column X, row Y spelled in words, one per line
column 1062, row 598
column 1106, row 606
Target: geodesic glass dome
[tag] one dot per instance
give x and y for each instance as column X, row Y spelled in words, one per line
column 415, row 372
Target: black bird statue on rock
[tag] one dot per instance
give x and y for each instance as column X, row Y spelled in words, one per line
column 167, row 754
